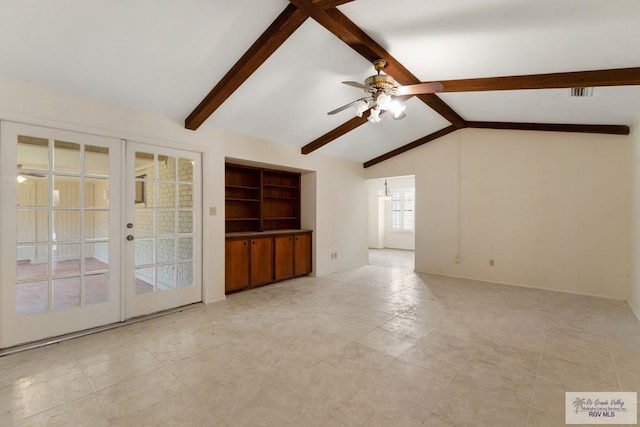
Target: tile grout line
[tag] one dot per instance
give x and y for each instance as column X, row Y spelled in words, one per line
column 93, row 391
column 615, row 365
column 451, row 382
column 81, row 370
column 535, row 383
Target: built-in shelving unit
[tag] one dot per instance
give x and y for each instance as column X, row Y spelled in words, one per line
column 259, row 199
column 264, row 241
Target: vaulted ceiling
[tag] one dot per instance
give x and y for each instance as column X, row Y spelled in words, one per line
column 272, row 68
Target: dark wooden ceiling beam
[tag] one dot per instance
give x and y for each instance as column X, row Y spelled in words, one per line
column 344, row 128
column 612, row 77
column 546, row 127
column 285, row 24
column 411, row 145
column 328, row 4
column 334, row 134
column 274, row 36
column 347, row 31
column 553, row 127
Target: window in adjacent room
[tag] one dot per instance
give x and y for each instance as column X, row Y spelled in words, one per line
column 402, row 210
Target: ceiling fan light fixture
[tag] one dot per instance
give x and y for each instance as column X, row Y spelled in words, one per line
column 361, row 107
column 396, row 108
column 374, row 115
column 382, row 90
column 383, row 101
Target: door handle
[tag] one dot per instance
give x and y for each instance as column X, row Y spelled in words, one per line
column 130, row 237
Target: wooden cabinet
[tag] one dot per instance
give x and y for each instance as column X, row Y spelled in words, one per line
column 302, row 254
column 248, row 263
column 261, row 199
column 283, row 259
column 292, row 256
column 261, row 261
column 255, row 259
column 236, row 271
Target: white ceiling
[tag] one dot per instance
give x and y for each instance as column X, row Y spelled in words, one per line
column 165, row 56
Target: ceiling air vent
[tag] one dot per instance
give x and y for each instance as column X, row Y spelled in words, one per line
column 581, row 92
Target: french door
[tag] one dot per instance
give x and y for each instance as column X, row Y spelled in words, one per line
column 66, row 202
column 163, row 229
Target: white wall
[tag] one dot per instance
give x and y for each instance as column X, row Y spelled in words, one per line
column 376, row 214
column 634, row 289
column 339, row 223
column 550, row 208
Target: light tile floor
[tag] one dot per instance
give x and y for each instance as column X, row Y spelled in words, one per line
column 373, row 346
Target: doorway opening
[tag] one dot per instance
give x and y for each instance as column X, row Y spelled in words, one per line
column 392, row 221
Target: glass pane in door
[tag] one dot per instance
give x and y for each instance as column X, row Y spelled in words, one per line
column 164, row 212
column 62, row 241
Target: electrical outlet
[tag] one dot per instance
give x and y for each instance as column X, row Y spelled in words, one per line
column 492, row 263
column 212, row 211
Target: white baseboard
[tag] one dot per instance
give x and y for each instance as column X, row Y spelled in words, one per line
column 520, row 285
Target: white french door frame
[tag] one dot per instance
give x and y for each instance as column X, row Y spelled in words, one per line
column 15, row 329
column 123, row 303
column 134, row 304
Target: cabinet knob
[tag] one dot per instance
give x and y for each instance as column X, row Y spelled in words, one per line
column 244, row 243
column 296, row 238
column 253, row 242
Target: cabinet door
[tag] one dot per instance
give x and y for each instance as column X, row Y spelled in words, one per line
column 261, row 260
column 302, row 254
column 236, row 265
column 283, row 257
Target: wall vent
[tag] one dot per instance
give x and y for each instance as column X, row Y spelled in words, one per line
column 581, row 91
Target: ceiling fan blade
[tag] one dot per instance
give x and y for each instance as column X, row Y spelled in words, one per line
column 35, row 175
column 356, row 84
column 31, row 174
column 368, row 100
column 344, row 107
column 420, row 88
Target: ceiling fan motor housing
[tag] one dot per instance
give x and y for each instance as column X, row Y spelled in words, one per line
column 380, row 82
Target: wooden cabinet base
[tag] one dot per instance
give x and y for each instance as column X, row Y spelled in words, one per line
column 256, row 259
column 237, row 274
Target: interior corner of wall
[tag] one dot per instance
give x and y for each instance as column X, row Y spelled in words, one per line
column 634, row 303
column 215, row 298
column 634, row 130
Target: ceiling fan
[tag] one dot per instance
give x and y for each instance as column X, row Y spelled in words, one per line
column 22, row 176
column 384, row 94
